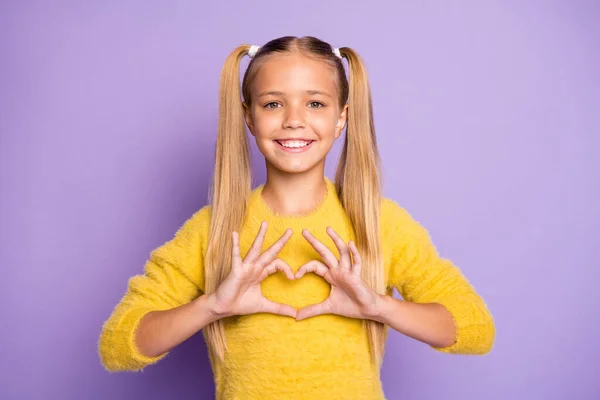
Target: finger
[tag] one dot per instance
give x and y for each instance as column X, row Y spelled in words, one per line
column 345, row 261
column 235, row 249
column 357, row 266
column 312, row 266
column 269, row 255
column 256, row 247
column 278, row 308
column 313, row 310
column 326, row 254
column 278, row 265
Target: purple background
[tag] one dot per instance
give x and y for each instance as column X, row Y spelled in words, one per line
column 488, row 124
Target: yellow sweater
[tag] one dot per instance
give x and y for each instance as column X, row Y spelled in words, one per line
column 276, row 357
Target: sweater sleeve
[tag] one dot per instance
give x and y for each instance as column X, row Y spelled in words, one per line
column 420, row 275
column 173, row 276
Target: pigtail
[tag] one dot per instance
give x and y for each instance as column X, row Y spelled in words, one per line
column 229, row 191
column 358, row 179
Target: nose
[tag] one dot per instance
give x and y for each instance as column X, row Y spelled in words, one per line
column 294, row 118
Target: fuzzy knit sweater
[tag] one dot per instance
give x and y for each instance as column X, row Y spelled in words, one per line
column 277, row 357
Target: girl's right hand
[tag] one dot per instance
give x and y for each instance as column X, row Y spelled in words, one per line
column 240, row 292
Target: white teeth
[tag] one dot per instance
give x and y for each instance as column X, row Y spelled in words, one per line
column 294, row 143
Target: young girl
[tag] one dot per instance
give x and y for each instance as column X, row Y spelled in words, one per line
column 291, row 282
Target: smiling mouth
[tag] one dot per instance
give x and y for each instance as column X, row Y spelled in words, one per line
column 294, row 146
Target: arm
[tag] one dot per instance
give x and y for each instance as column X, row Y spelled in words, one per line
column 160, row 331
column 429, row 323
column 162, row 307
column 441, row 308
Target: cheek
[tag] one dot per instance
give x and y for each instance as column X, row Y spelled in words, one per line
column 266, row 123
column 324, row 125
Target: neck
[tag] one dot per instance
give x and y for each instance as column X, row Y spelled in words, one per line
column 294, row 194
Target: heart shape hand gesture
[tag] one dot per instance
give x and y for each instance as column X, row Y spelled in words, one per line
column 240, row 293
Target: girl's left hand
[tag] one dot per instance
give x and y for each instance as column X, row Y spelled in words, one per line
column 349, row 296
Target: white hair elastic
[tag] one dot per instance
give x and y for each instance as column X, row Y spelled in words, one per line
column 254, row 49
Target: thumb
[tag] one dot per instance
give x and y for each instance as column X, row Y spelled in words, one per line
column 313, row 310
column 271, row 307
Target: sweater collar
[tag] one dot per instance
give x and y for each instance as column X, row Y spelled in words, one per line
column 323, row 209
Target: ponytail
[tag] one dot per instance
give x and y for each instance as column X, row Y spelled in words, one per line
column 358, row 181
column 230, row 189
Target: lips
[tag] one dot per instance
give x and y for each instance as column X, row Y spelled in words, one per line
column 294, row 145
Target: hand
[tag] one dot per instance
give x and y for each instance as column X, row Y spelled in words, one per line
column 349, row 296
column 240, row 292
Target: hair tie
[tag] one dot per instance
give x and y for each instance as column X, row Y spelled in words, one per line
column 253, row 49
column 336, row 51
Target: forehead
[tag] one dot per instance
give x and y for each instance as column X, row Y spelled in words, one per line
column 294, row 72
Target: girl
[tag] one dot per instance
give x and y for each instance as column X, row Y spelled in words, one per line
column 291, row 282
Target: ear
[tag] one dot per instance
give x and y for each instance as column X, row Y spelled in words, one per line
column 341, row 122
column 248, row 117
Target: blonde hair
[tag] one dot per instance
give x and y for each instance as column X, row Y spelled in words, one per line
column 357, row 180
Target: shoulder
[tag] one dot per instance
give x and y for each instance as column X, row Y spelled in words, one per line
column 405, row 231
column 399, row 222
column 196, row 225
column 394, row 216
column 200, row 217
column 189, row 240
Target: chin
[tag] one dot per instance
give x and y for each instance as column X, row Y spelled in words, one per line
column 293, row 167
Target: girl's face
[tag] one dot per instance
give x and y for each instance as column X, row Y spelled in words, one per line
column 295, row 114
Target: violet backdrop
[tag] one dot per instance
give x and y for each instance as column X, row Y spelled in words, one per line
column 487, row 115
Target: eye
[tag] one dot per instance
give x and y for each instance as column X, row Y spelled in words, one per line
column 272, row 105
column 315, row 104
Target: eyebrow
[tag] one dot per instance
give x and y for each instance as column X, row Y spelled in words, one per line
column 278, row 93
